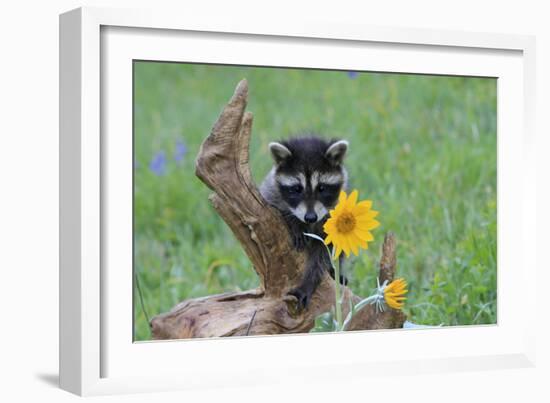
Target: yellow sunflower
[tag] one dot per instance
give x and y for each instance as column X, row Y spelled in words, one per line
column 349, row 225
column 394, row 293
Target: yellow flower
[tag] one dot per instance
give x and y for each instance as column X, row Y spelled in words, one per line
column 349, row 225
column 394, row 293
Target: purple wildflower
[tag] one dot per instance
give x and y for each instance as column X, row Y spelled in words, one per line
column 353, row 74
column 180, row 152
column 158, row 163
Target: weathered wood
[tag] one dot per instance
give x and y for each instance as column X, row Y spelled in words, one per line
column 222, row 164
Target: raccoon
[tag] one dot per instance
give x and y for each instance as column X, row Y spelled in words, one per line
column 304, row 184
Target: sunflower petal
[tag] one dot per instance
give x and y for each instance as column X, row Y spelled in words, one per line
column 363, row 218
column 394, row 293
column 329, row 226
column 337, row 210
column 342, row 198
column 352, row 199
column 364, row 235
column 365, row 204
column 369, row 214
column 345, row 246
column 375, row 224
column 354, row 244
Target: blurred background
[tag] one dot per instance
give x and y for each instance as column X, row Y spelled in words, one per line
column 423, row 148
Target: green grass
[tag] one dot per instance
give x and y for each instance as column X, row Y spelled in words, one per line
column 423, row 148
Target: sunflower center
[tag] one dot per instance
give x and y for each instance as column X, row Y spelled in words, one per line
column 345, row 222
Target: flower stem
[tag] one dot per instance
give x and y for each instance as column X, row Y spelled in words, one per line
column 338, row 302
column 357, row 308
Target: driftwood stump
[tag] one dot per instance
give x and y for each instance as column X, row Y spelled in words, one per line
column 222, row 164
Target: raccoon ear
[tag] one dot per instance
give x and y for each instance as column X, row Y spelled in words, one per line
column 337, row 151
column 279, row 152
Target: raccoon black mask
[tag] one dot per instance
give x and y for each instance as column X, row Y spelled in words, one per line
column 307, row 177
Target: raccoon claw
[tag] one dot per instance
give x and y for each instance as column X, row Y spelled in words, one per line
column 302, row 296
column 343, row 279
column 299, row 241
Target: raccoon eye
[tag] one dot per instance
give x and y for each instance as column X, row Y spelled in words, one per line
column 325, row 189
column 296, row 189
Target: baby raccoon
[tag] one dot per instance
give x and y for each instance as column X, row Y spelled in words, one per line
column 304, row 184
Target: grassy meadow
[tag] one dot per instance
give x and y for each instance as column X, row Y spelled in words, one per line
column 423, row 148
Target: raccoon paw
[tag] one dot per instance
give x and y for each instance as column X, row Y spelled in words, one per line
column 299, row 241
column 302, row 296
column 343, row 279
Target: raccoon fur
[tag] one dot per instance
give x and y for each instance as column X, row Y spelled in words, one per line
column 304, row 185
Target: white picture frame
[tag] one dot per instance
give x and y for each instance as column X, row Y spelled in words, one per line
column 97, row 355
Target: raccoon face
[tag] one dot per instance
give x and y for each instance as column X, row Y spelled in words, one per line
column 309, row 175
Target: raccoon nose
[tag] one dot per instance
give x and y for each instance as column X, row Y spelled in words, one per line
column 310, row 217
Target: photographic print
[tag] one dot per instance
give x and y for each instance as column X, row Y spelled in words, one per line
column 273, row 200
